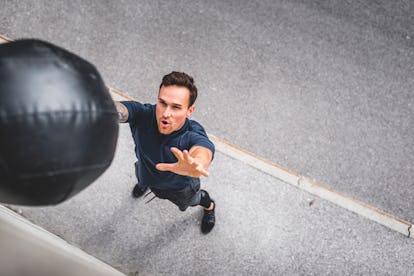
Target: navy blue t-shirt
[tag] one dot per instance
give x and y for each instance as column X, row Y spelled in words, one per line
column 152, row 147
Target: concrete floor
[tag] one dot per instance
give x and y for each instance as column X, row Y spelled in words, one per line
column 323, row 89
column 264, row 227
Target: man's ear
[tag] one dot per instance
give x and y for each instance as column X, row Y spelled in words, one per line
column 190, row 110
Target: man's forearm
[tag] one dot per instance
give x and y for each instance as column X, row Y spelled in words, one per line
column 202, row 155
column 122, row 112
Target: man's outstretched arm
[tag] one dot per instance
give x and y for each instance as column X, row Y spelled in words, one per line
column 192, row 163
column 122, row 112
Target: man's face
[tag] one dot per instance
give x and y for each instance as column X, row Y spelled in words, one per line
column 172, row 108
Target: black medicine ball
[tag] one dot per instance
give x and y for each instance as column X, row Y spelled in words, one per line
column 58, row 123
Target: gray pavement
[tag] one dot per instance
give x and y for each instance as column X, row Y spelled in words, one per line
column 262, row 229
column 323, row 88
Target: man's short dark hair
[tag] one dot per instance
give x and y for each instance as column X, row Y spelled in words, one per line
column 181, row 79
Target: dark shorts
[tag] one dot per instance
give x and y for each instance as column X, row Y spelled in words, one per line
column 189, row 196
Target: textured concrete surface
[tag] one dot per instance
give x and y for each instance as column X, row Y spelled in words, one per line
column 28, row 250
column 323, row 88
column 264, row 227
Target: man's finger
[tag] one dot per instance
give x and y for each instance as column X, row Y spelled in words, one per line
column 164, row 167
column 177, row 153
column 187, row 157
column 204, row 172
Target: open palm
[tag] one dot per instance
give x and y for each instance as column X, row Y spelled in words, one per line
column 186, row 165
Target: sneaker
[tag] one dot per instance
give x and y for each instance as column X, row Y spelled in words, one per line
column 138, row 191
column 208, row 221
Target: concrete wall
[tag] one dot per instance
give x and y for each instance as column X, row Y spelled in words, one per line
column 27, row 249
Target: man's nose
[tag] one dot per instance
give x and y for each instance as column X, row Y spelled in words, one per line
column 167, row 112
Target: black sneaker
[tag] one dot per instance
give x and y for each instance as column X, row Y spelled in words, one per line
column 208, row 221
column 138, row 192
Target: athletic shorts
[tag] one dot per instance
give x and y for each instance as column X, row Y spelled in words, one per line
column 189, row 196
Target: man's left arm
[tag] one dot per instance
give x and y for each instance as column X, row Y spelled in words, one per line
column 202, row 155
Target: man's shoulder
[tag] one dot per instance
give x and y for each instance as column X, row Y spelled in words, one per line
column 134, row 105
column 198, row 136
column 192, row 131
column 137, row 111
column 196, row 128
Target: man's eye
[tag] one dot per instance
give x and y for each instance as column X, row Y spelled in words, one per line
column 176, row 107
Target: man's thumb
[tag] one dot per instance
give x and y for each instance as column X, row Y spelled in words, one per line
column 162, row 167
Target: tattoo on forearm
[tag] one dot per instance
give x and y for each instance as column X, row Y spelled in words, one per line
column 122, row 114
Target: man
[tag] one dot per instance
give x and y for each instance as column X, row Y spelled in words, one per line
column 172, row 150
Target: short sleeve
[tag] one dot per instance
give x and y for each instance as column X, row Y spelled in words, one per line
column 136, row 110
column 198, row 137
column 203, row 141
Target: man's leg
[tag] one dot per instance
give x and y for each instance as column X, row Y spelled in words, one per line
column 209, row 218
column 139, row 188
column 202, row 198
column 192, row 196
